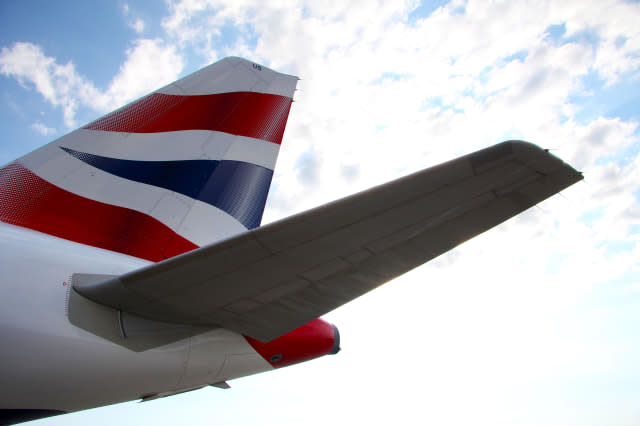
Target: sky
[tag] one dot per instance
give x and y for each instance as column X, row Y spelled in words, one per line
column 532, row 323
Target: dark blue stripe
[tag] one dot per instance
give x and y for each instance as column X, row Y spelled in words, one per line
column 236, row 187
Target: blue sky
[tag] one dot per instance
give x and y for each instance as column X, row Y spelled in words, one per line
column 532, row 323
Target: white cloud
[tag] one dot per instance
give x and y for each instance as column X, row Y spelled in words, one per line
column 149, row 64
column 613, row 21
column 138, row 25
column 42, row 129
column 59, row 84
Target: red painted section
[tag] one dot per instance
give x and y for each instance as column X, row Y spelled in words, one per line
column 30, row 201
column 312, row 340
column 256, row 115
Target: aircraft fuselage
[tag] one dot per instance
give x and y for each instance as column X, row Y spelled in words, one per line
column 48, row 363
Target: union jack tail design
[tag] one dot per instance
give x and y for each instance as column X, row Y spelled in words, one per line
column 180, row 168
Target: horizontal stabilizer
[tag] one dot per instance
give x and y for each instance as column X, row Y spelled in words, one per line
column 273, row 279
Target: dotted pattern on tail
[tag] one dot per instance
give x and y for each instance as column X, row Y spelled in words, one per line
column 256, row 115
column 133, row 116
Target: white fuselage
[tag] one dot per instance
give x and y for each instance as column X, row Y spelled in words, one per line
column 48, row 363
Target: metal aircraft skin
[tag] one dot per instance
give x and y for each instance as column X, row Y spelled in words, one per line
column 133, row 261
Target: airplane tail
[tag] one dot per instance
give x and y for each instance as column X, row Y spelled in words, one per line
column 180, row 168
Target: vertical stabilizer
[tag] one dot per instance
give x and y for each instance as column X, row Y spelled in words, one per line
column 182, row 167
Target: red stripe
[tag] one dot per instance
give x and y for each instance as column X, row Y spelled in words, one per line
column 256, row 115
column 30, row 201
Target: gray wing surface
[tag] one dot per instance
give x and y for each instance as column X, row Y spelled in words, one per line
column 275, row 278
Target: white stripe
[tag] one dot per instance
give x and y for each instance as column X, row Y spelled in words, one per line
column 165, row 146
column 233, row 75
column 254, row 151
column 205, row 224
column 199, row 222
column 71, row 174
